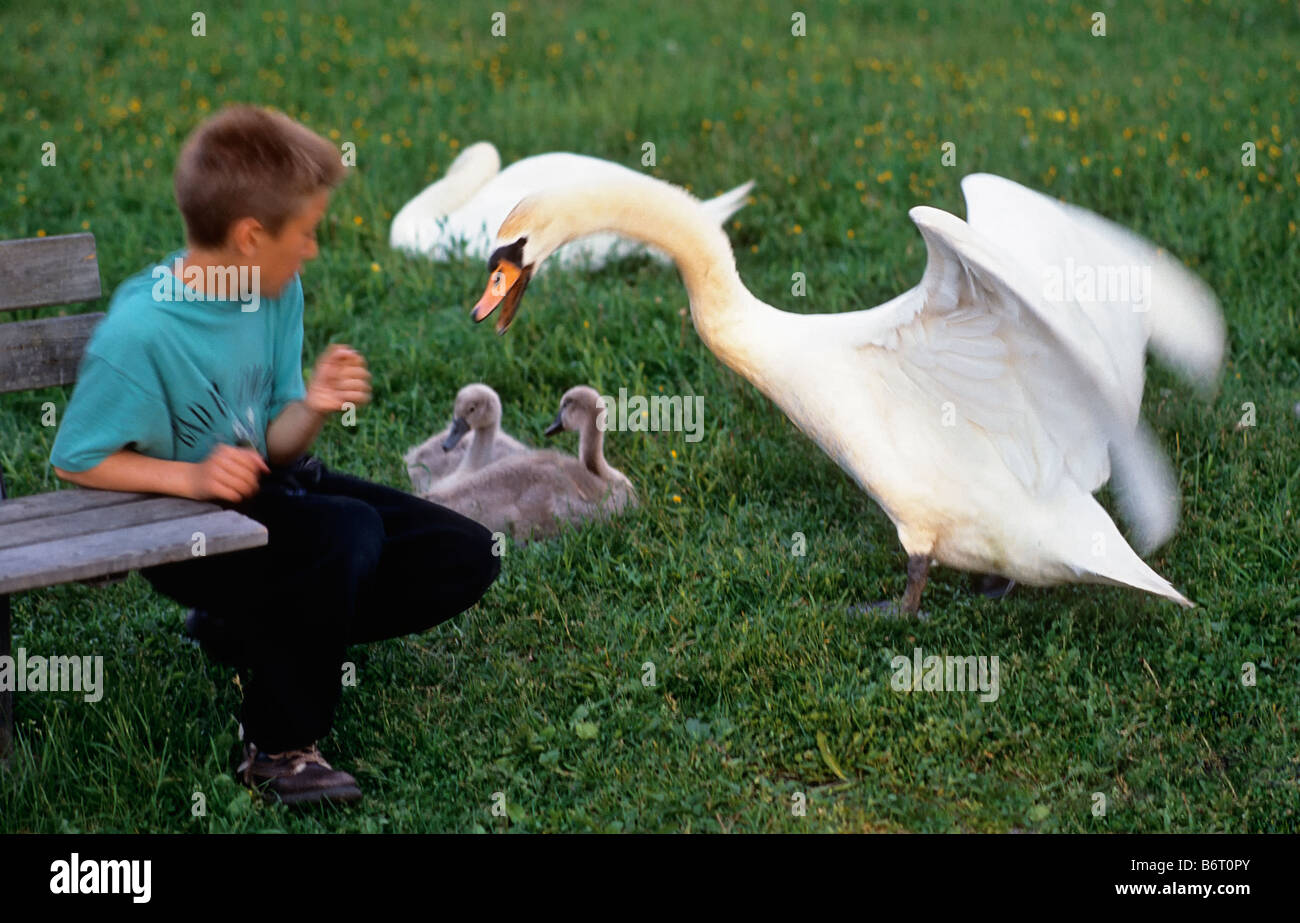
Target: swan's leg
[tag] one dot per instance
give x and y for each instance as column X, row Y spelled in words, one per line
column 992, row 586
column 918, row 570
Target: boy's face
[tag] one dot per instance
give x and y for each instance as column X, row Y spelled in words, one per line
column 280, row 256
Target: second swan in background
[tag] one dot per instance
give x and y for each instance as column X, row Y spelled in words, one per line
column 461, row 212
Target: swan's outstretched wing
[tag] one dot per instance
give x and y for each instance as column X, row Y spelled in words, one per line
column 984, row 348
column 1114, row 290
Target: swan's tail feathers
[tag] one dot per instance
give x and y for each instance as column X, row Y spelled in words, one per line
column 1145, row 487
column 1141, row 577
column 1097, row 553
column 415, row 226
column 724, row 206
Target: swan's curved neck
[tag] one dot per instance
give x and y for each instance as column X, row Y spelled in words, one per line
column 477, row 164
column 669, row 219
column 480, row 448
column 591, row 447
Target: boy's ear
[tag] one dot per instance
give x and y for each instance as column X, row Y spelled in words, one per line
column 246, row 235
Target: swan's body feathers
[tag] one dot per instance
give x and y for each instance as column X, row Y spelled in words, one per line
column 979, row 376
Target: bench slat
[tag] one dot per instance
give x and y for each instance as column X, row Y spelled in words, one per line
column 39, row 271
column 103, row 519
column 88, row 556
column 42, row 353
column 59, row 502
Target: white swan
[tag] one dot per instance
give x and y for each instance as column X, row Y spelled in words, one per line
column 532, row 493
column 460, row 212
column 476, row 411
column 982, row 408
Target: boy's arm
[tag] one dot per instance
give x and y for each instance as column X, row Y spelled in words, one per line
column 227, row 473
column 340, row 378
column 292, row 432
column 130, row 471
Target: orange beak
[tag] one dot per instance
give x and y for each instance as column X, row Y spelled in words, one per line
column 505, row 288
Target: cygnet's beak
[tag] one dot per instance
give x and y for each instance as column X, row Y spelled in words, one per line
column 459, row 427
column 557, row 425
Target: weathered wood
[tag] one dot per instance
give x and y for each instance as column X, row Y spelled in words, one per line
column 43, row 353
column 39, row 271
column 88, row 556
column 101, row 519
column 58, row 502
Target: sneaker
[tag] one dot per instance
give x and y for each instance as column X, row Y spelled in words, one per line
column 296, row 776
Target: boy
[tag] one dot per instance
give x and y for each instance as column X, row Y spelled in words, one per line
column 189, row 389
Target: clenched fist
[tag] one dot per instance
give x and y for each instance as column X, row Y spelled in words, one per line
column 228, row 473
column 340, row 377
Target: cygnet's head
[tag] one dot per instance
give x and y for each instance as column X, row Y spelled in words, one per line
column 576, row 407
column 477, row 407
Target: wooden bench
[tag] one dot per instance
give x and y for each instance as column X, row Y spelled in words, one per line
column 94, row 536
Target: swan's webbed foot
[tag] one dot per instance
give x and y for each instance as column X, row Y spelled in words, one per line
column 992, row 586
column 887, row 609
column 918, row 571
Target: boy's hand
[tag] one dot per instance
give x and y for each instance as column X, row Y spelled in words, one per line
column 228, row 473
column 340, row 377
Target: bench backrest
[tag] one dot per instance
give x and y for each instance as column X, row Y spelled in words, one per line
column 37, row 272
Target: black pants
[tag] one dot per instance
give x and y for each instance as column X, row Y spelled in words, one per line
column 347, row 562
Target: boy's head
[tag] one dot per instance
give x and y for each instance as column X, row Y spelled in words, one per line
column 253, row 184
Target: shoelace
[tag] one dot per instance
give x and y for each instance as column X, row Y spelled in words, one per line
column 298, row 760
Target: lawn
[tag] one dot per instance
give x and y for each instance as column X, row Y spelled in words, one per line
column 765, row 686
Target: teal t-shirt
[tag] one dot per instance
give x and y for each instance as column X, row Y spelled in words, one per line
column 169, row 374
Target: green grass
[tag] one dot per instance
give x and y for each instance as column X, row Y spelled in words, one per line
column 765, row 687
